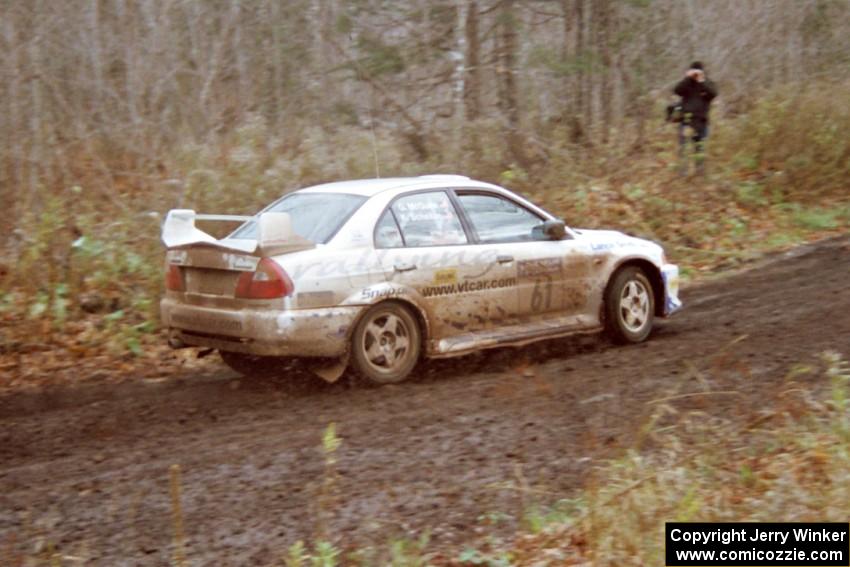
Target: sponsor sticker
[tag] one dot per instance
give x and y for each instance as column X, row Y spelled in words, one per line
column 177, row 257
column 240, row 262
column 539, row 267
column 466, row 286
column 381, row 293
column 445, row 276
column 614, row 244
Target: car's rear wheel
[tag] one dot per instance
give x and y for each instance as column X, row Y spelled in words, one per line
column 386, row 344
column 252, row 365
column 629, row 306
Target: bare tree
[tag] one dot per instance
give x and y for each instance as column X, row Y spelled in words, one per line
column 102, row 93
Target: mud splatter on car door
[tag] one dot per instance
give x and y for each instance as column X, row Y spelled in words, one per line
column 464, row 287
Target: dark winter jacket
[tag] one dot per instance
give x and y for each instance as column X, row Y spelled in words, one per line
column 696, row 98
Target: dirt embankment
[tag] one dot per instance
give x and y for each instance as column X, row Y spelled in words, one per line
column 87, row 468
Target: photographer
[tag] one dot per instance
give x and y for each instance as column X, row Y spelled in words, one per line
column 697, row 92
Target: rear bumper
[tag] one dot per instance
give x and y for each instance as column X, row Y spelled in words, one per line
column 670, row 276
column 265, row 332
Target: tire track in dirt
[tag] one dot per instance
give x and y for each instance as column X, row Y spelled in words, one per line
column 88, row 467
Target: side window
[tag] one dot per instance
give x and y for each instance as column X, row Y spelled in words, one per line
column 428, row 219
column 387, row 234
column 497, row 219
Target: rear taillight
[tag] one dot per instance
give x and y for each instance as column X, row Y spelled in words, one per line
column 173, row 278
column 268, row 281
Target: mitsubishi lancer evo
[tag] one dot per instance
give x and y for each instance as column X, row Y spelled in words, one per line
column 373, row 275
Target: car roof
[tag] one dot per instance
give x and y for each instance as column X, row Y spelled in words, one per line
column 371, row 187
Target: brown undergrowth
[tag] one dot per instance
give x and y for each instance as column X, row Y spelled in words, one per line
column 82, row 270
column 788, row 462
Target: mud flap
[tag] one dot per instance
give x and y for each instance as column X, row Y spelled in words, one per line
column 329, row 371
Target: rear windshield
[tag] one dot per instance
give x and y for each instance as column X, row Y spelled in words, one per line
column 315, row 216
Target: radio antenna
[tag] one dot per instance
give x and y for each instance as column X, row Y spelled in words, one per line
column 374, row 142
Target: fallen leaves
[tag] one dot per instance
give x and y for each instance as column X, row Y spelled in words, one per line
column 34, row 355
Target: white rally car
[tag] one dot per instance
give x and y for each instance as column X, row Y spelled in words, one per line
column 374, row 274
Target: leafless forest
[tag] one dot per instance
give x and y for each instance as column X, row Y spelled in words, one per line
column 94, row 89
column 114, row 111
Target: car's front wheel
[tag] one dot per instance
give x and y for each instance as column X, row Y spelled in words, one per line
column 386, row 344
column 629, row 306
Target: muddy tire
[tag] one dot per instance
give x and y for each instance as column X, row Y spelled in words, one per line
column 629, row 306
column 386, row 344
column 252, row 365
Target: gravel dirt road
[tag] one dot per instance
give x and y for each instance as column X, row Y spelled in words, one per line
column 87, row 468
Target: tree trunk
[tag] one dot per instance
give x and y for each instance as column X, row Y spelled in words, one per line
column 472, row 84
column 568, row 95
column 579, row 86
column 509, row 95
column 459, row 75
column 603, row 43
column 589, row 63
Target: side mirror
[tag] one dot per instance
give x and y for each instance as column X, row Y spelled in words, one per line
column 549, row 230
column 554, row 229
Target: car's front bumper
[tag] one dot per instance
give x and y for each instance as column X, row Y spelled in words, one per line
column 670, row 276
column 265, row 332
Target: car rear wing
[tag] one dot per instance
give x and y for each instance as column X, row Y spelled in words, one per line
column 273, row 234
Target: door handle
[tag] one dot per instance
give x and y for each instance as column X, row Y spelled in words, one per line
column 504, row 258
column 404, row 267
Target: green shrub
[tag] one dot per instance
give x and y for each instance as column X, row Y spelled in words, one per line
column 817, row 219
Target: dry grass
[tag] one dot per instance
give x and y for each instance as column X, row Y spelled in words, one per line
column 81, row 274
column 791, row 463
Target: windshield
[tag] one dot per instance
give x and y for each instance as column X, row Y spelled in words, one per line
column 315, row 216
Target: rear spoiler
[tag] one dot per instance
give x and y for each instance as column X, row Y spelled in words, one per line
column 274, row 234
